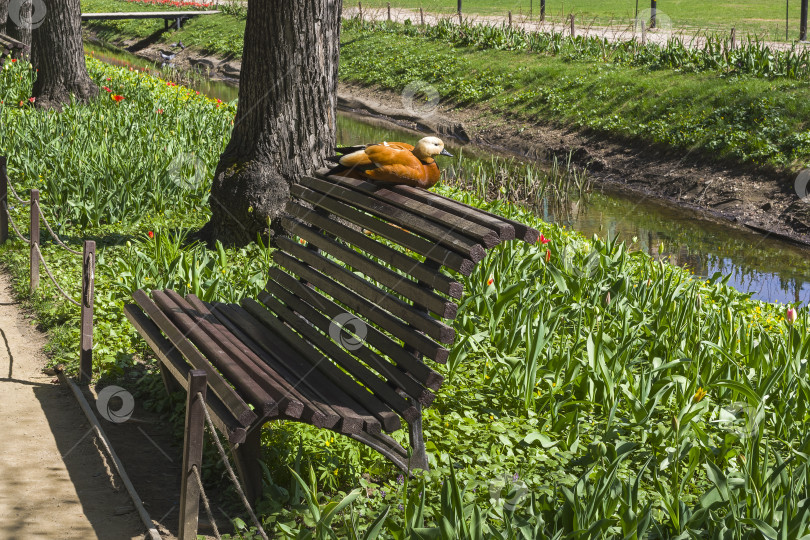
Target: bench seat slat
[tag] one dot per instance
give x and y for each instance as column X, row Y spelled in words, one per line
column 447, row 237
column 281, row 283
column 218, row 384
column 242, row 376
column 275, row 386
column 394, row 377
column 453, row 222
column 426, row 248
column 383, row 300
column 317, row 413
column 519, row 230
column 396, row 282
column 308, row 381
column 373, row 407
column 419, row 270
column 223, row 419
column 274, row 314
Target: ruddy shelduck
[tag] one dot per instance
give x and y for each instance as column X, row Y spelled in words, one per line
column 394, row 162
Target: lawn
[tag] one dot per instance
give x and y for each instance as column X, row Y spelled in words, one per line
column 763, row 17
column 591, row 388
column 749, row 105
column 700, row 103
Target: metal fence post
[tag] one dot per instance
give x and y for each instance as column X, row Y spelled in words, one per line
column 653, row 10
column 88, row 293
column 34, row 236
column 3, row 199
column 542, row 10
column 192, row 455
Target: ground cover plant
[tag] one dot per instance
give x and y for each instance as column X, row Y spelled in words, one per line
column 593, row 392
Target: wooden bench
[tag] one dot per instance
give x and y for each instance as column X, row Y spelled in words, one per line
column 179, row 17
column 11, row 48
column 355, row 256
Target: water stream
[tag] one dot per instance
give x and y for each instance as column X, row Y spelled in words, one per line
column 772, row 270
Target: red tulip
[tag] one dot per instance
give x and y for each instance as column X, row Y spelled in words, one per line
column 150, row 234
column 117, row 98
column 548, row 255
column 491, row 280
column 13, row 60
column 543, row 239
column 32, row 99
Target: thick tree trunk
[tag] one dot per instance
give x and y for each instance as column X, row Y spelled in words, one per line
column 59, row 57
column 3, row 16
column 285, row 121
column 19, row 20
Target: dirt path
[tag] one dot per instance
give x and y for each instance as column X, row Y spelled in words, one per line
column 54, row 483
column 624, row 30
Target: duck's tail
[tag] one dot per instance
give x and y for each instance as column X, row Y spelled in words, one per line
column 341, row 151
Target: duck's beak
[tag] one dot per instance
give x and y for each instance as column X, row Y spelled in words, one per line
column 445, row 153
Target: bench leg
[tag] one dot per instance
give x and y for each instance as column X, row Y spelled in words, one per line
column 169, row 382
column 247, row 457
column 418, row 453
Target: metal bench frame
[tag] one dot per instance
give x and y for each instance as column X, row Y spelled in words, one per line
column 280, row 358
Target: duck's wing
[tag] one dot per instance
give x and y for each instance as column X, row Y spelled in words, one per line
column 396, row 165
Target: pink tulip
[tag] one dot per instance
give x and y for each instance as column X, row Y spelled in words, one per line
column 791, row 315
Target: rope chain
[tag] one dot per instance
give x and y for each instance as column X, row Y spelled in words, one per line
column 227, row 464
column 204, row 498
column 48, row 271
column 14, row 225
column 19, row 200
column 53, row 234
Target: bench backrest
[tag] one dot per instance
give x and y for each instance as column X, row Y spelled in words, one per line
column 8, row 46
column 373, row 259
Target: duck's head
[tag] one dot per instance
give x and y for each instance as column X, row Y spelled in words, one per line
column 430, row 147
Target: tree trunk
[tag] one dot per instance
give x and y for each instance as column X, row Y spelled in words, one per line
column 285, row 121
column 19, row 20
column 59, row 57
column 3, row 15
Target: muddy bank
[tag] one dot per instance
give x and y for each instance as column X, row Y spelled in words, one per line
column 743, row 196
column 759, row 200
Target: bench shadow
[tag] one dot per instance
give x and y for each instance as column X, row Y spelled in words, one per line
column 144, row 448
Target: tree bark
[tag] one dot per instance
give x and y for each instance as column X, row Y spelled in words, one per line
column 285, row 120
column 18, row 22
column 59, row 57
column 3, row 15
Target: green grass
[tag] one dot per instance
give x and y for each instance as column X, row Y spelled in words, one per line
column 221, row 35
column 701, row 103
column 573, row 397
column 710, row 114
column 762, row 17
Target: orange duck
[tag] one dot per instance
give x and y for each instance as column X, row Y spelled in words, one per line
column 394, row 162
